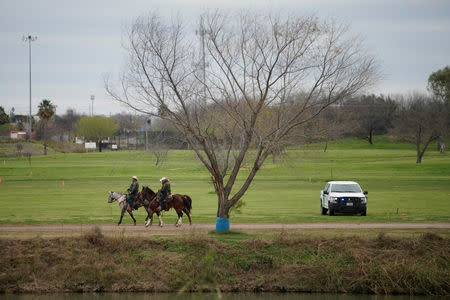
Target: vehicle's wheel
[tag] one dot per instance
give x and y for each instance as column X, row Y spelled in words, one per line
column 323, row 210
column 363, row 213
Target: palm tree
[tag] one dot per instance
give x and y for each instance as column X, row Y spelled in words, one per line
column 46, row 111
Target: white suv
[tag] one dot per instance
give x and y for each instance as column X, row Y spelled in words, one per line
column 343, row 197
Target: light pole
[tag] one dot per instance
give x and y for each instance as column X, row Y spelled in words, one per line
column 29, row 39
column 149, row 123
column 92, row 99
column 202, row 32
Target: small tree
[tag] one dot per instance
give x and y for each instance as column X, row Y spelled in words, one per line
column 439, row 85
column 96, row 128
column 4, row 118
column 241, row 102
column 45, row 112
column 420, row 120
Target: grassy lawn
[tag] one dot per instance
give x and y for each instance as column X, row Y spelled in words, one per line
column 288, row 191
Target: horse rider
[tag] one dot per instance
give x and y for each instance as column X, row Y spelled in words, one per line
column 132, row 190
column 164, row 192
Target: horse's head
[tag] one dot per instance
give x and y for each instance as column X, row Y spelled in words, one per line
column 110, row 197
column 147, row 193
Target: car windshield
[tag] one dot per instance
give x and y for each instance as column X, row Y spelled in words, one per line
column 346, row 188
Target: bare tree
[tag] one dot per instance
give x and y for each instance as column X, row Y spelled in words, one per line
column 64, row 124
column 326, row 127
column 421, row 120
column 368, row 115
column 159, row 142
column 261, row 77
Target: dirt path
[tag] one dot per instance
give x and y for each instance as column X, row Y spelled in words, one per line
column 77, row 229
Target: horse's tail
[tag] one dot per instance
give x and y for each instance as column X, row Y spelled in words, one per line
column 187, row 201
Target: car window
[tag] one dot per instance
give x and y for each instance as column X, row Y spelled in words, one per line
column 345, row 188
column 327, row 187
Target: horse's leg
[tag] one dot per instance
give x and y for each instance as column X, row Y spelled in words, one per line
column 188, row 214
column 180, row 216
column 131, row 214
column 149, row 219
column 160, row 219
column 147, row 209
column 121, row 216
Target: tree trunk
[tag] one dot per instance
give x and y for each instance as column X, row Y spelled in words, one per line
column 223, row 220
column 223, row 209
column 100, row 146
column 418, row 142
column 419, row 157
column 370, row 138
column 45, row 139
column 420, row 153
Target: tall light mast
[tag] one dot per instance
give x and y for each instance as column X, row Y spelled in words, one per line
column 30, row 39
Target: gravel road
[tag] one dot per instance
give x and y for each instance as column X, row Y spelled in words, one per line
column 74, row 229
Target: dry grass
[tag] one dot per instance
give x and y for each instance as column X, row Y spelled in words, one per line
column 93, row 262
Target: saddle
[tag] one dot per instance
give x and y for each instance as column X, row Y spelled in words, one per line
column 136, row 199
column 167, row 200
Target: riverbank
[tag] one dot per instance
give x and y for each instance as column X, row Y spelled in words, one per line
column 233, row 262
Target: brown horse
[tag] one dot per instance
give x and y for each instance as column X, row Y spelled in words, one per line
column 181, row 203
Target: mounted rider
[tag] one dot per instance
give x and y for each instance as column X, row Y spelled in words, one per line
column 164, row 192
column 132, row 191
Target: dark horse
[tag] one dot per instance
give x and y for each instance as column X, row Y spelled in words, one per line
column 124, row 206
column 181, row 203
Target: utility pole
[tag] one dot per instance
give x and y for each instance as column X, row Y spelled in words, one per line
column 92, row 110
column 29, row 39
column 202, row 34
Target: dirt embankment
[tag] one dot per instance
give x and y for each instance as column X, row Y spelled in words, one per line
column 232, row 262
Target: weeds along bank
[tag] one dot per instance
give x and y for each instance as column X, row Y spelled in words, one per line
column 229, row 263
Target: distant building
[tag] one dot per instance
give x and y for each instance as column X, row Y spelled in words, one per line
column 17, row 135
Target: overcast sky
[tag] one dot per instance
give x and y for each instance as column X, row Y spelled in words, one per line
column 80, row 41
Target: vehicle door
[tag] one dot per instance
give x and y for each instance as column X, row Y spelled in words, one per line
column 324, row 196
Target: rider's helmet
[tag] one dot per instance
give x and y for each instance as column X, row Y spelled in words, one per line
column 134, row 177
column 163, row 179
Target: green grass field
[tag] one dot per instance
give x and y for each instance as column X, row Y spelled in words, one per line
column 399, row 189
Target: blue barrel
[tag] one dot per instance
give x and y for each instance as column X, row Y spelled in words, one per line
column 222, row 224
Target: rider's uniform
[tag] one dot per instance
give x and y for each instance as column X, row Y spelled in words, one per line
column 132, row 191
column 164, row 192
